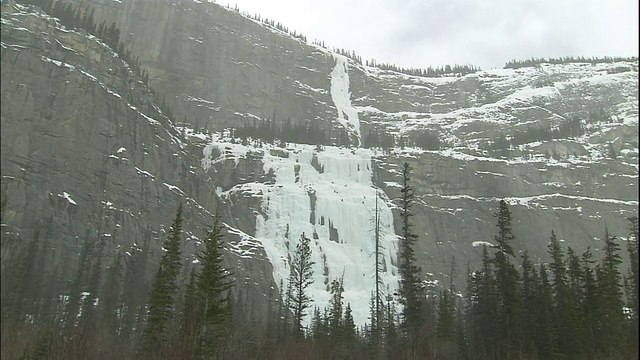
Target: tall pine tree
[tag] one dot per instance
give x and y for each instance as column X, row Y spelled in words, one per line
column 300, row 278
column 410, row 289
column 510, row 310
column 214, row 289
column 163, row 290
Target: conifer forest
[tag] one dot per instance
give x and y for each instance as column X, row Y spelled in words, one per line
column 110, row 305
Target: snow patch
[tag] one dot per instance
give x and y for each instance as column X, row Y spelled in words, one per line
column 347, row 114
column 65, row 195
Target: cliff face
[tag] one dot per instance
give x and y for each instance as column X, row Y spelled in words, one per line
column 87, row 155
column 84, row 144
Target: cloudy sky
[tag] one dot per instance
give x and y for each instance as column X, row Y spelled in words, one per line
column 486, row 33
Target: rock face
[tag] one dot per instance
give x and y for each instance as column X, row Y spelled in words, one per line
column 86, row 154
column 84, row 144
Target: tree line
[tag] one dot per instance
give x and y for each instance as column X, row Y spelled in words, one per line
column 269, row 131
column 74, row 17
column 447, row 70
column 516, row 64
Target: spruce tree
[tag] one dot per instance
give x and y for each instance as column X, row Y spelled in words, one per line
column 349, row 326
column 445, row 326
column 483, row 310
column 564, row 301
column 546, row 333
column 300, row 278
column 590, row 304
column 410, row 289
column 214, row 289
column 191, row 315
column 510, row 316
column 529, row 289
column 610, row 287
column 163, row 290
column 335, row 309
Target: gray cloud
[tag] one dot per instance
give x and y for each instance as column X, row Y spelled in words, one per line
column 418, row 33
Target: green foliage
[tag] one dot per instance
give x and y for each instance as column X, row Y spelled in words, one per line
column 163, row 289
column 213, row 287
column 410, row 288
column 300, row 278
column 516, row 64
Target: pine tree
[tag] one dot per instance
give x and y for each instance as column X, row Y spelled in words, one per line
column 410, row 289
column 191, row 315
column 483, row 310
column 163, row 290
column 446, row 325
column 510, row 317
column 590, row 304
column 348, row 326
column 335, row 309
column 529, row 293
column 546, row 333
column 213, row 287
column 300, row 278
column 564, row 302
column 609, row 284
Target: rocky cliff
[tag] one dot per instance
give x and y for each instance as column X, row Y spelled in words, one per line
column 84, row 144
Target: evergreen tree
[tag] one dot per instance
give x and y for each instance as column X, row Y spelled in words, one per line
column 348, row 326
column 191, row 316
column 483, row 311
column 590, row 304
column 335, row 309
column 445, row 327
column 410, row 289
column 213, row 287
column 300, row 278
column 510, row 325
column 610, row 287
column 529, row 293
column 545, row 334
column 565, row 303
column 163, row 290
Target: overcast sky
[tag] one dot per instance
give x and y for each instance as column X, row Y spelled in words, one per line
column 485, row 33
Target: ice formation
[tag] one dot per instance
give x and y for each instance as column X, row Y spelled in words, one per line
column 347, row 114
column 328, row 195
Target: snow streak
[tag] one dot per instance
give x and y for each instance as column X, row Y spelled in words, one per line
column 347, row 114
